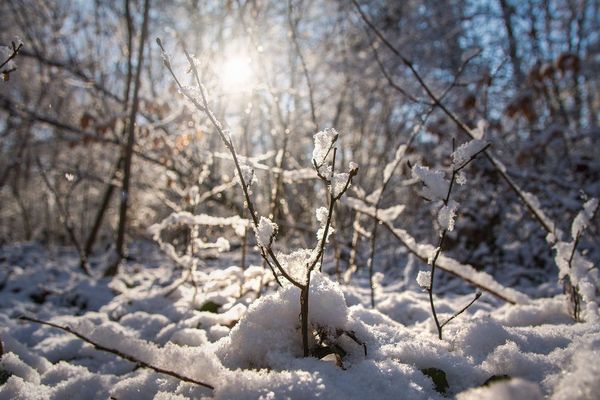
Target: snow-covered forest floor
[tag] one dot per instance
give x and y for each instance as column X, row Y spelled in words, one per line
column 248, row 348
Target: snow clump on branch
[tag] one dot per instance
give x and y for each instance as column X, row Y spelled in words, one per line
column 447, row 215
column 436, row 186
column 424, row 279
column 338, row 183
column 265, row 231
column 466, row 151
column 583, row 218
column 248, row 176
column 324, row 141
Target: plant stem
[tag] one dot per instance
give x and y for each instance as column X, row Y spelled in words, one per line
column 438, row 250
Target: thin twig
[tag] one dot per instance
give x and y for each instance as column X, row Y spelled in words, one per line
column 438, row 249
column 414, row 132
column 456, row 314
column 65, row 219
column 118, row 353
column 293, row 23
column 284, row 121
column 568, row 287
column 15, row 51
column 497, row 164
column 304, row 293
column 113, row 269
column 204, row 107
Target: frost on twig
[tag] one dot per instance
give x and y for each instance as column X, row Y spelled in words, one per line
column 296, row 263
column 466, row 151
column 265, row 232
column 248, row 176
column 468, row 273
column 436, row 185
column 389, row 214
column 322, row 213
column 424, row 279
column 338, row 183
column 580, row 276
column 264, row 228
column 324, row 142
column 438, row 189
column 447, row 215
column 583, row 218
column 7, row 56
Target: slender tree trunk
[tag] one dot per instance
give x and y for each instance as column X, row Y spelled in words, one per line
column 507, row 13
column 304, row 315
column 111, row 187
column 125, row 193
column 89, row 244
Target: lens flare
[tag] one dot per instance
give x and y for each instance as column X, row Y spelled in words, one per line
column 236, row 75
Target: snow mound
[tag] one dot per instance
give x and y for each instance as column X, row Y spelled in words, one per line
column 581, row 382
column 511, row 389
column 268, row 335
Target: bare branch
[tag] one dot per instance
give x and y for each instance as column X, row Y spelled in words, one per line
column 204, row 107
column 118, row 353
column 456, row 314
column 15, row 50
column 497, row 164
column 65, row 219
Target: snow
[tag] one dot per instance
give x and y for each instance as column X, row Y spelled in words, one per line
column 200, row 303
column 186, row 218
column 322, row 213
column 424, row 279
column 338, row 183
column 511, row 389
column 436, row 186
column 192, row 92
column 296, row 262
column 267, row 335
column 391, row 166
column 425, row 252
column 324, row 141
column 389, row 214
column 432, row 255
column 12, row 364
column 251, row 347
column 265, row 230
column 581, row 379
column 582, row 219
column 466, row 151
column 534, row 203
column 479, row 131
column 447, row 215
column 575, row 266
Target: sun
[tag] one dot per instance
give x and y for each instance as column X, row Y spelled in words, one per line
column 236, row 74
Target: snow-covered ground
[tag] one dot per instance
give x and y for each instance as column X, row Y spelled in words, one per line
column 247, row 346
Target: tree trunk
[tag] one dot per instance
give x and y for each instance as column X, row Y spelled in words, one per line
column 125, row 193
column 507, row 13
